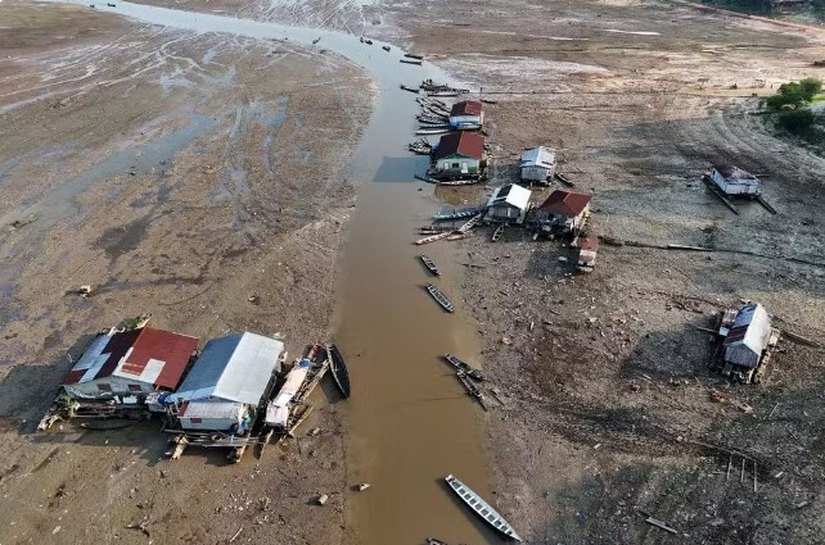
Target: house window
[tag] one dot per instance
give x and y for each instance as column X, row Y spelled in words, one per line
column 456, row 165
column 134, row 388
column 196, row 420
column 104, row 387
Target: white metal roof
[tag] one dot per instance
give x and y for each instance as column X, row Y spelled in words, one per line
column 233, row 368
column 212, row 408
column 748, row 335
column 512, row 194
column 539, row 156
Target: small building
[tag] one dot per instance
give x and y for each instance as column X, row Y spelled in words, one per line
column 588, row 250
column 131, row 363
column 508, row 204
column 278, row 410
column 228, row 382
column 467, row 115
column 538, row 165
column 747, row 337
column 459, row 155
column 733, row 181
column 564, row 211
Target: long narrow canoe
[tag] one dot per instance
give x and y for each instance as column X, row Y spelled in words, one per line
column 463, row 366
column 440, row 298
column 430, row 264
column 339, row 370
column 481, row 507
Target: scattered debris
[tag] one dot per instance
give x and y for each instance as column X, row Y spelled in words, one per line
column 322, row 499
column 22, row 222
column 84, row 290
column 661, row 525
column 361, row 487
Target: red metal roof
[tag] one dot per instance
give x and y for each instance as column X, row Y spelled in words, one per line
column 468, row 144
column 567, row 203
column 172, row 348
column 467, row 107
column 142, row 345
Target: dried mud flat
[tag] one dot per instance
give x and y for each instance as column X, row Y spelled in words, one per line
column 178, row 174
column 609, row 414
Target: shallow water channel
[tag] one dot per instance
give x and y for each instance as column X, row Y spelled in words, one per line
column 409, row 421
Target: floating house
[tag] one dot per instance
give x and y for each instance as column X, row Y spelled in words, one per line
column 508, row 204
column 467, row 115
column 131, row 363
column 747, row 337
column 588, row 250
column 564, row 211
column 227, row 383
column 735, row 182
column 538, row 165
column 458, row 155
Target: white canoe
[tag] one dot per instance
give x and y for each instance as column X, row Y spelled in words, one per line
column 481, row 507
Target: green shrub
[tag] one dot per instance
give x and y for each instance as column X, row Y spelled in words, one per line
column 794, row 94
column 797, row 122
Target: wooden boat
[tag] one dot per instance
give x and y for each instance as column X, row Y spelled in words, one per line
column 442, row 93
column 431, row 119
column 432, row 130
column 339, row 370
column 385, row 48
column 464, row 367
column 481, row 507
column 440, row 298
column 410, row 89
column 430, row 264
column 457, row 214
column 435, row 541
column 497, row 233
column 421, row 147
column 414, row 56
column 471, row 388
column 410, row 61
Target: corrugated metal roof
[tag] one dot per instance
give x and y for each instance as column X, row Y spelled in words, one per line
column 735, row 175
column 540, row 157
column 748, row 335
column 511, row 194
column 157, row 357
column 236, row 367
column 466, row 107
column 468, row 144
column 567, row 203
column 212, row 409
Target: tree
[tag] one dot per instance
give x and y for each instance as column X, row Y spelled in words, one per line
column 795, row 94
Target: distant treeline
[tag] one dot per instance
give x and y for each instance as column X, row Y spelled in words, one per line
column 768, row 6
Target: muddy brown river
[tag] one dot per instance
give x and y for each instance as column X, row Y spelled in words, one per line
column 409, row 421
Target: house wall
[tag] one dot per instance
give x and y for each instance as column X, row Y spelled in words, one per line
column 205, row 423
column 457, row 165
column 504, row 214
column 104, row 387
column 459, row 120
column 741, row 354
column 536, row 173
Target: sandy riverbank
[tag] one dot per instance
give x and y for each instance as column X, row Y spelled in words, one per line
column 179, row 174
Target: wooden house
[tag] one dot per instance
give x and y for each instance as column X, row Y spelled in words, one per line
column 735, row 182
column 458, row 155
column 130, row 363
column 747, row 342
column 563, row 211
column 537, row 165
column 508, row 204
column 467, row 115
column 227, row 383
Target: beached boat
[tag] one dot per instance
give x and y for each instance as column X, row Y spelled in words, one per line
column 410, row 61
column 435, row 541
column 497, row 233
column 413, row 56
column 481, row 507
column 420, row 146
column 464, row 367
column 410, row 89
column 431, row 119
column 433, row 130
column 430, row 264
column 385, row 48
column 339, row 370
column 440, row 298
column 472, row 389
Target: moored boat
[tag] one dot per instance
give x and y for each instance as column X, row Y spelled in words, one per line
column 481, row 507
column 339, row 370
column 410, row 61
column 440, row 298
column 430, row 264
column 463, row 366
column 410, row 89
column 432, row 130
